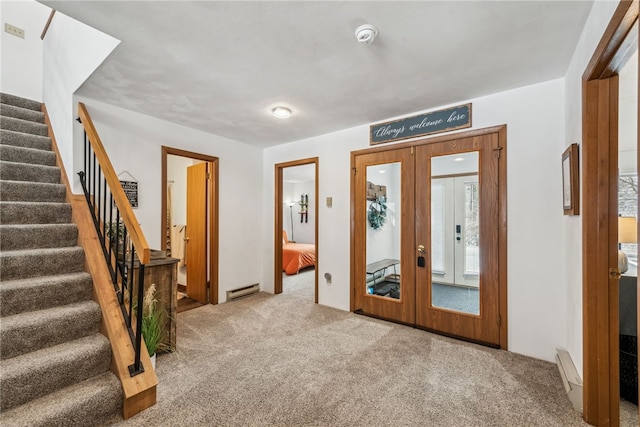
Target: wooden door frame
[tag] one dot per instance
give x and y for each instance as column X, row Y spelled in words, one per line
column 213, row 208
column 601, row 392
column 501, row 130
column 278, row 223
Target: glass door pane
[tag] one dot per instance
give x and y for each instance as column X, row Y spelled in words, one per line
column 455, row 233
column 383, row 230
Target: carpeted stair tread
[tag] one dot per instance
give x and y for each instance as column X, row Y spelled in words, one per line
column 19, row 139
column 17, row 101
column 21, row 154
column 32, row 236
column 12, row 171
column 39, row 293
column 19, row 191
column 33, row 375
column 25, row 126
column 32, row 331
column 8, row 110
column 41, row 262
column 34, row 213
column 96, row 401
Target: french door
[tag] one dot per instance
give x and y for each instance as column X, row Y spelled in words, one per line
column 429, row 235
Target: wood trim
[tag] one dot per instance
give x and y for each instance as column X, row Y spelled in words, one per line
column 599, row 228
column 214, row 204
column 126, row 213
column 46, row 26
column 502, row 238
column 430, row 140
column 352, row 228
column 278, row 225
column 139, row 391
column 619, row 27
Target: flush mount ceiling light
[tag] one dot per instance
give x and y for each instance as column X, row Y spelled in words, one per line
column 281, row 112
column 459, row 159
column 366, row 33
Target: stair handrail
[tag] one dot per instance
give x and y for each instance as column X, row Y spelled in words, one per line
column 129, row 251
column 120, row 198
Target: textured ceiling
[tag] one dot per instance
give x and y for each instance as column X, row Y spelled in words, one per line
column 222, row 66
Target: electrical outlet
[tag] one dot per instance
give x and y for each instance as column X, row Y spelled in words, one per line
column 18, row 32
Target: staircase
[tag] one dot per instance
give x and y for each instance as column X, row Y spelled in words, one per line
column 54, row 362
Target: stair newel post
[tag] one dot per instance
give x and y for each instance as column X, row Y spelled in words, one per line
column 137, row 367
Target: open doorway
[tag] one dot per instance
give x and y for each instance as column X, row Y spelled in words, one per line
column 296, row 228
column 190, row 224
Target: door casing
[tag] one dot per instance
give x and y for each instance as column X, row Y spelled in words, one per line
column 501, row 131
column 599, row 152
column 213, row 209
column 277, row 239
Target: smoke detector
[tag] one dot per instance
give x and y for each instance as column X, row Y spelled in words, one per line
column 366, row 33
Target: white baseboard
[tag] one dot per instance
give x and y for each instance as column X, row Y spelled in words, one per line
column 570, row 378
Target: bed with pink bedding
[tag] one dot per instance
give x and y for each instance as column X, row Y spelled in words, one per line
column 296, row 256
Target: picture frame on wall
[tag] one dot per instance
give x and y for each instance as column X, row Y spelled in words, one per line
column 570, row 181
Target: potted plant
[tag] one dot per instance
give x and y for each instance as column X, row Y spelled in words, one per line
column 153, row 322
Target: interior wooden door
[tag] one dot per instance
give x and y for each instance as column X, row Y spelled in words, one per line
column 464, row 303
column 196, row 233
column 384, row 282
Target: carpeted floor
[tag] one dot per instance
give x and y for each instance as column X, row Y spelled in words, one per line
column 268, row 360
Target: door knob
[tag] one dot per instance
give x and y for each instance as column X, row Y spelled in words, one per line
column 421, row 249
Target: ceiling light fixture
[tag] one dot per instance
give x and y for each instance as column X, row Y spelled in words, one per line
column 281, row 112
column 459, row 159
column 366, row 33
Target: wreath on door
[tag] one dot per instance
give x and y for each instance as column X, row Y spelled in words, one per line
column 378, row 212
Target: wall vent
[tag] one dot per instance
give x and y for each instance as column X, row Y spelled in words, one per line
column 570, row 378
column 242, row 292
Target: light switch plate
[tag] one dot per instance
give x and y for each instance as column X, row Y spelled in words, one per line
column 18, row 32
column 329, row 201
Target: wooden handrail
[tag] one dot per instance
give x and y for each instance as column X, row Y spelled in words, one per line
column 126, row 213
column 46, row 26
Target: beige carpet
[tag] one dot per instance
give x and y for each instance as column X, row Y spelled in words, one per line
column 281, row 360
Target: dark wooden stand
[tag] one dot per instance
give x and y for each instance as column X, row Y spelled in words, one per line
column 164, row 273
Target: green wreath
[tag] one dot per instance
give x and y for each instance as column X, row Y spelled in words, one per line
column 378, row 212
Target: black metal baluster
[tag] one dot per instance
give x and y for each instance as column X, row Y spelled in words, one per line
column 98, row 198
column 130, row 280
column 110, row 229
column 137, row 367
column 93, row 185
column 104, row 212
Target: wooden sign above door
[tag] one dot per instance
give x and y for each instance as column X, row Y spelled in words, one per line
column 453, row 118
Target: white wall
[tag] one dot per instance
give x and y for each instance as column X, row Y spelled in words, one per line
column 72, row 51
column 572, row 226
column 305, row 232
column 21, row 59
column 536, row 298
column 133, row 142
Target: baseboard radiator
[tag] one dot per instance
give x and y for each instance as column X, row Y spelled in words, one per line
column 570, row 378
column 242, row 292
